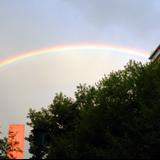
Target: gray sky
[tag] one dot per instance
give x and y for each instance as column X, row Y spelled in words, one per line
column 33, row 24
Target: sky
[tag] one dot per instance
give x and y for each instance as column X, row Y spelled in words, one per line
column 27, row 25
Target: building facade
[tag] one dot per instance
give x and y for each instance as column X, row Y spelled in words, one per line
column 155, row 55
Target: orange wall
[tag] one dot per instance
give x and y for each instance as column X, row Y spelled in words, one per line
column 15, row 141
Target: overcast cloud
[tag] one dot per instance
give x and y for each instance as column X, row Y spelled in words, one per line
column 34, row 24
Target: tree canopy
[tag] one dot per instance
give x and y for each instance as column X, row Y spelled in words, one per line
column 118, row 117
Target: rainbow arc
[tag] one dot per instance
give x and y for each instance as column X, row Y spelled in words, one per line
column 66, row 48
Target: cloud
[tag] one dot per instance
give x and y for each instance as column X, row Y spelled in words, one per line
column 27, row 25
column 139, row 18
column 129, row 13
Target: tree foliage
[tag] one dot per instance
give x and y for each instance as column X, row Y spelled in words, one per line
column 119, row 117
column 3, row 147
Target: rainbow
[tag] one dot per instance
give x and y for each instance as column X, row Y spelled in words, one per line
column 65, row 48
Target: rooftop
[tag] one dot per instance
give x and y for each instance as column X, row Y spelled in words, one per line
column 156, row 54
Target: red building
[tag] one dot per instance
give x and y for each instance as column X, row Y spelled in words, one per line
column 15, row 141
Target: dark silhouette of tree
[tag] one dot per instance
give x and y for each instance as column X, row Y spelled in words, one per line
column 3, row 148
column 119, row 117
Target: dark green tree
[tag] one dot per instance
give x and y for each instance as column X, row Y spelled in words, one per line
column 3, row 148
column 119, row 117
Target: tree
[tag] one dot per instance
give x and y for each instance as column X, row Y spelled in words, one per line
column 3, row 147
column 58, row 120
column 116, row 118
